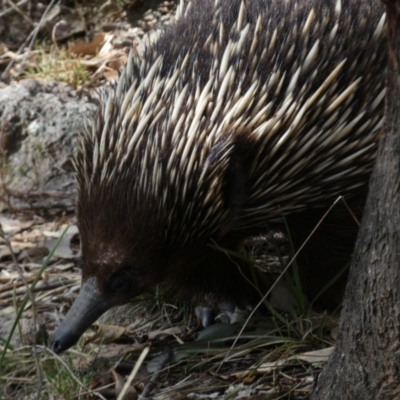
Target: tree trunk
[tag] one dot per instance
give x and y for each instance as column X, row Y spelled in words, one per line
column 366, row 361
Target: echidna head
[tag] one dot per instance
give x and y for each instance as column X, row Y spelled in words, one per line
column 123, row 254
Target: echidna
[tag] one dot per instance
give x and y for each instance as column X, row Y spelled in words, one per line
column 243, row 115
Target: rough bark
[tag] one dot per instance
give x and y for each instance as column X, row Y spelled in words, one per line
column 366, row 362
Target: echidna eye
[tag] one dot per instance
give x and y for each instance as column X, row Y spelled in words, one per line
column 119, row 282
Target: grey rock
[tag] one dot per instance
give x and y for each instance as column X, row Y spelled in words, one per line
column 39, row 123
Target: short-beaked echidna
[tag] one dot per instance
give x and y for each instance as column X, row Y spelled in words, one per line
column 243, row 114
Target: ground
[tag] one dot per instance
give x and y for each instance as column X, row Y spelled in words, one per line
column 52, row 58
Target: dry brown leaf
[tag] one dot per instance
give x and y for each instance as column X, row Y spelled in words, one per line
column 110, row 75
column 119, row 60
column 88, row 49
column 131, row 394
column 105, row 334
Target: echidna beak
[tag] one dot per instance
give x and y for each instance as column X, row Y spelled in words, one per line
column 88, row 306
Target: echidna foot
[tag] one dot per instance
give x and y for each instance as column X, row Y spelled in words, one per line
column 226, row 312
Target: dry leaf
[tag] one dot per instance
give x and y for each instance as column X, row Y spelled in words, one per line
column 105, row 334
column 12, row 226
column 107, row 46
column 315, row 356
column 131, row 394
column 88, row 49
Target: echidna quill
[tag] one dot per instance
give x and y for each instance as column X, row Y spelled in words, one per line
column 243, row 114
